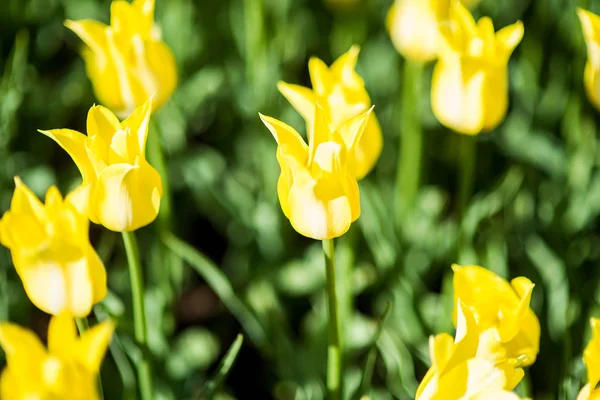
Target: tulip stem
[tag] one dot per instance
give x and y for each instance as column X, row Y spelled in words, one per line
column 334, row 349
column 82, row 326
column 467, row 162
column 408, row 174
column 139, row 314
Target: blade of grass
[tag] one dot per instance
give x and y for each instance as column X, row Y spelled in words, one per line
column 211, row 387
column 365, row 384
column 217, row 280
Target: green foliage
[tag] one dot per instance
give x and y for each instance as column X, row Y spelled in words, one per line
column 534, row 211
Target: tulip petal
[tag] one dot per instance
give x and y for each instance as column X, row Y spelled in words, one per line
column 25, row 202
column 123, row 17
column 53, row 202
column 320, row 76
column 23, row 349
column 93, row 344
column 54, row 287
column 477, row 375
column 138, row 122
column 585, row 392
column 62, row 335
column 97, row 274
column 93, row 34
column 73, row 143
column 590, row 25
column 413, row 28
column 79, row 198
column 369, row 147
column 352, row 130
column 457, row 93
column 508, row 38
column 344, row 69
column 163, row 67
column 591, row 355
column 285, row 134
column 440, row 350
column 14, row 339
column 127, row 197
column 102, row 122
column 301, row 98
column 313, row 213
column 320, row 132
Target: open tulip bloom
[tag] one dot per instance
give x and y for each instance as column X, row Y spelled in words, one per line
column 591, row 357
column 317, row 187
column 413, row 26
column 67, row 369
column 126, row 61
column 342, row 95
column 124, row 190
column 51, row 250
column 507, row 324
column 590, row 23
column 469, row 89
column 459, row 369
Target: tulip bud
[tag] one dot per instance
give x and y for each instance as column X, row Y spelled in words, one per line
column 51, row 250
column 317, row 188
column 126, row 61
column 342, row 95
column 67, row 369
column 469, row 88
column 124, row 190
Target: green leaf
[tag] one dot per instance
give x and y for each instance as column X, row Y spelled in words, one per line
column 219, row 283
column 224, row 367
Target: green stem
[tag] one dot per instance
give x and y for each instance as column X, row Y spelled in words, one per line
column 408, row 174
column 334, row 349
column 139, row 314
column 467, row 164
column 82, row 326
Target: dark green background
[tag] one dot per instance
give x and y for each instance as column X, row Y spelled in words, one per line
column 534, row 211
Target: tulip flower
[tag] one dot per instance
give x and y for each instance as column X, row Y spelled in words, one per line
column 126, row 61
column 51, row 250
column 469, row 89
column 507, row 324
column 124, row 190
column 317, row 187
column 590, row 24
column 66, row 370
column 413, row 26
column 458, row 369
column 342, row 95
column 591, row 357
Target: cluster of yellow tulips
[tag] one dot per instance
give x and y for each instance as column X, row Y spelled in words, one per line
column 133, row 73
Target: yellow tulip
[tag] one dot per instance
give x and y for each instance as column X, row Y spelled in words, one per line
column 469, row 89
column 590, row 24
column 591, row 357
column 458, row 369
column 51, row 250
column 126, row 61
column 124, row 190
column 342, row 95
column 413, row 26
column 317, row 189
column 67, row 370
column 508, row 326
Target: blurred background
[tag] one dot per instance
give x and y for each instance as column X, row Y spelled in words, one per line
column 534, row 209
